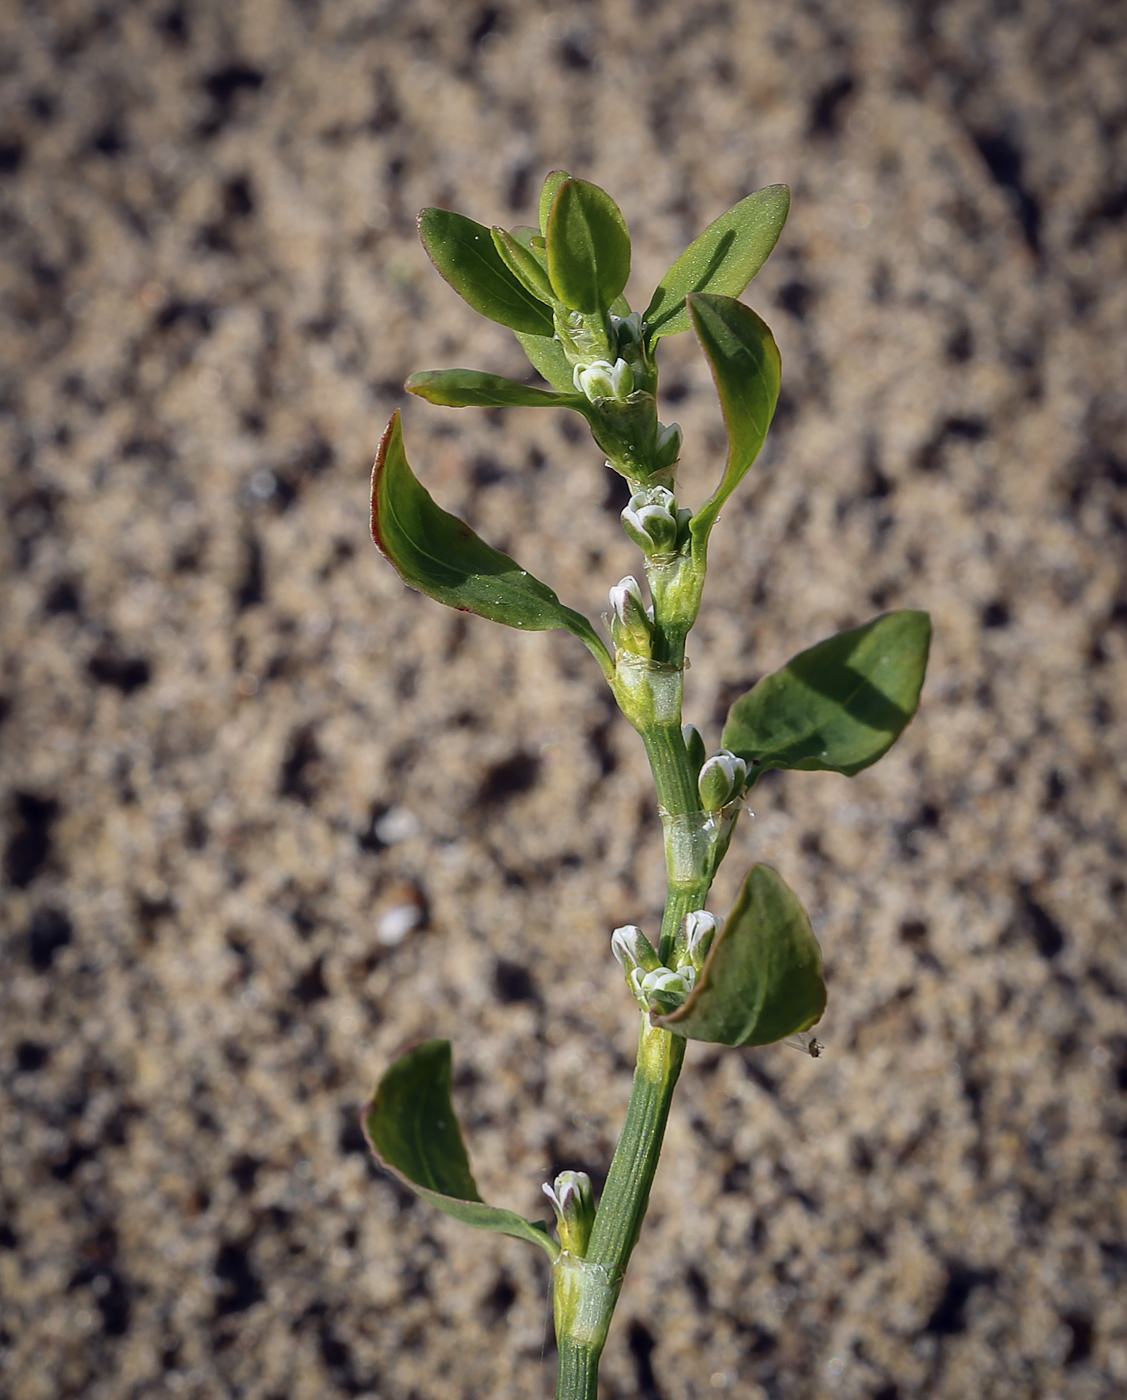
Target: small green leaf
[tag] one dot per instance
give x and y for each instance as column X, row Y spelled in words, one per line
column 746, row 366
column 762, row 979
column 472, row 388
column 442, row 557
column 588, row 247
column 523, row 263
column 546, row 355
column 464, row 254
column 838, row 706
column 531, row 240
column 724, row 259
column 550, row 189
column 413, row 1132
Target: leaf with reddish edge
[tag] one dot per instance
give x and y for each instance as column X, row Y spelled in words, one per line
column 442, row 557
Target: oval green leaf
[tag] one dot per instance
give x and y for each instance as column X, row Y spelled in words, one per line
column 762, row 979
column 838, row 706
column 441, row 556
column 414, row 1134
column 551, row 187
column 724, row 259
column 473, row 388
column 747, row 368
column 588, row 247
column 464, row 253
column 523, row 263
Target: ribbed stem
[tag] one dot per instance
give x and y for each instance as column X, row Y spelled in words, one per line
column 627, row 1192
column 578, row 1375
column 586, row 1289
column 679, row 901
column 669, row 760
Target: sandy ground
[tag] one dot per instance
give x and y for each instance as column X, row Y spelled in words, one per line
column 239, row 760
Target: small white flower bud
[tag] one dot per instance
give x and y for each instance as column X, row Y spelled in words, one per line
column 669, row 440
column 655, row 519
column 688, row 974
column 721, row 777
column 694, row 743
column 573, row 1201
column 626, row 597
column 663, row 989
column 602, row 380
column 650, row 522
column 593, row 379
column 631, row 625
column 632, row 949
column 627, row 329
column 622, row 378
column 700, row 928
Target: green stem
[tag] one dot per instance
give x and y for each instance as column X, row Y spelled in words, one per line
column 586, row 1290
column 578, row 1375
column 627, row 1192
column 680, row 900
column 678, row 796
column 669, row 760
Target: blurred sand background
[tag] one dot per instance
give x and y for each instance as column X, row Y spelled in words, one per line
column 267, row 816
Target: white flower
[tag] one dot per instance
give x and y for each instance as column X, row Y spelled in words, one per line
column 700, row 926
column 602, row 380
column 669, row 444
column 650, row 522
column 631, row 625
column 664, row 988
column 632, row 948
column 627, row 329
column 573, row 1200
column 721, row 777
column 626, row 599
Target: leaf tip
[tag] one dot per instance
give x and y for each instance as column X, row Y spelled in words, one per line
column 379, row 466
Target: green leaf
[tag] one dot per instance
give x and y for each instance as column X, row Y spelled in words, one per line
column 413, row 1132
column 551, row 188
column 547, row 356
column 464, row 253
column 472, row 388
column 442, row 557
column 762, row 979
column 746, row 366
column 724, row 259
column 838, row 706
column 545, row 353
column 588, row 247
column 523, row 263
column 532, row 240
